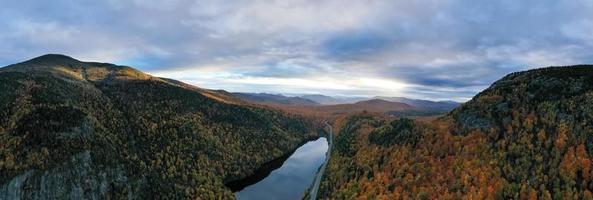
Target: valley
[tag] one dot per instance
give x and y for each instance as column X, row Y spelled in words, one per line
column 94, row 124
column 293, row 178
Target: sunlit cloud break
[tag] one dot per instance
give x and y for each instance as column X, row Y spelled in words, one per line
column 238, row 82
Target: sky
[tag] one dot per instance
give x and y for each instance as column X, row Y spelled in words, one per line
column 428, row 49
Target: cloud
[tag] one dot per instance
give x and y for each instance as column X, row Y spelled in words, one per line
column 439, row 49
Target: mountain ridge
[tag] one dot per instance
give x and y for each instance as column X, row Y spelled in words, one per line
column 153, row 137
column 527, row 136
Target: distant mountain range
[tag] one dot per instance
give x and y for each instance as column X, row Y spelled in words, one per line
column 373, row 105
column 265, row 98
column 328, row 100
column 424, row 104
column 341, row 103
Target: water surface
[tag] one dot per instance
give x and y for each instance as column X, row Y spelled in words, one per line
column 292, row 179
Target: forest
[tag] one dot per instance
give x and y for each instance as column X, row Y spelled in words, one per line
column 172, row 141
column 528, row 136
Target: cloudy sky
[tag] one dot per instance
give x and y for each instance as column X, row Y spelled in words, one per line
column 432, row 49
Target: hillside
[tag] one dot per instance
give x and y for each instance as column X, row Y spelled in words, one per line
column 528, row 136
column 274, row 99
column 100, row 131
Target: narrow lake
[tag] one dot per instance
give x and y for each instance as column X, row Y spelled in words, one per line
column 294, row 176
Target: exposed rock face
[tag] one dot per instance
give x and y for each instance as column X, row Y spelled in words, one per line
column 78, row 178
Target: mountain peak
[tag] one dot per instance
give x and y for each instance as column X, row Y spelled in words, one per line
column 534, row 89
column 67, row 66
column 53, row 59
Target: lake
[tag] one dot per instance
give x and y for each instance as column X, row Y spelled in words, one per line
column 294, row 176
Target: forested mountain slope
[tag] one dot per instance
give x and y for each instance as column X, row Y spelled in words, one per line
column 528, row 136
column 72, row 129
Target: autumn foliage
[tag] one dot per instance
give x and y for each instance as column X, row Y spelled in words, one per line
column 528, row 136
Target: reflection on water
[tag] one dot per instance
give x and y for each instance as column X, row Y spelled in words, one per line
column 292, row 179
